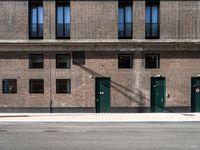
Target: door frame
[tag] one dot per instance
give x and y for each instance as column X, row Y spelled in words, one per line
column 97, row 78
column 151, row 102
column 193, row 106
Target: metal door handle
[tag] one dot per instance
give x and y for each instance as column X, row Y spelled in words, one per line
column 97, row 99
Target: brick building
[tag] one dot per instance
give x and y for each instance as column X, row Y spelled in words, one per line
column 99, row 56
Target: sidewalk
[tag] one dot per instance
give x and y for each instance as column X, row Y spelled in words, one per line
column 101, row 117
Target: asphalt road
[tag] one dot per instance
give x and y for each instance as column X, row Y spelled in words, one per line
column 100, row 136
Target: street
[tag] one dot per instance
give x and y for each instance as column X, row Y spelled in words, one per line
column 100, row 136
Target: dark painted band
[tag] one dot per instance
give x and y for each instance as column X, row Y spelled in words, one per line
column 87, row 109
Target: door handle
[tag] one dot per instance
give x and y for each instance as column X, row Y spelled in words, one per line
column 97, row 99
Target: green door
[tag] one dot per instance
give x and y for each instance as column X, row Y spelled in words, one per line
column 195, row 94
column 102, row 94
column 158, row 94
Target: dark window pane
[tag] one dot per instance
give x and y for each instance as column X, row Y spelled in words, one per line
column 154, row 30
column 125, row 19
column 63, row 19
column 36, row 19
column 128, row 31
column 67, row 30
column 125, row 61
column 63, row 61
column 152, row 61
column 148, row 29
column 40, row 30
column 79, row 58
column 9, row 86
column 63, row 86
column 36, row 86
column 36, row 61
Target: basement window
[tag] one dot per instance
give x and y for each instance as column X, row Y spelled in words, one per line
column 36, row 61
column 152, row 61
column 63, row 86
column 9, row 86
column 125, row 61
column 36, row 86
column 79, row 58
column 63, row 61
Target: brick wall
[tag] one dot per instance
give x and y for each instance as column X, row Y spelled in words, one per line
column 94, row 19
column 130, row 87
column 13, row 19
column 98, row 19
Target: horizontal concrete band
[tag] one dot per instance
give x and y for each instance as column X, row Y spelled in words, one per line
column 87, row 109
column 100, row 45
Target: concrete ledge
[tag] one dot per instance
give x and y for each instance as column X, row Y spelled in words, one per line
column 101, row 45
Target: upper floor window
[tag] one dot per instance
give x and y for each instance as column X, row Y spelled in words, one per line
column 63, row 19
column 125, row 19
column 35, row 19
column 152, row 20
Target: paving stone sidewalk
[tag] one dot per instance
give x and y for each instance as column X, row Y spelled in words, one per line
column 101, row 117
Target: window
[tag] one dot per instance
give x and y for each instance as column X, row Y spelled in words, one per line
column 63, row 86
column 63, row 19
column 152, row 20
column 36, row 86
column 35, row 19
column 36, row 61
column 125, row 19
column 9, row 86
column 79, row 58
column 125, row 61
column 63, row 61
column 152, row 61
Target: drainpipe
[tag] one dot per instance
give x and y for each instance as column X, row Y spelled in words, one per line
column 50, row 107
column 51, row 102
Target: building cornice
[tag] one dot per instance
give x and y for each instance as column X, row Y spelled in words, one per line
column 101, row 45
column 97, row 41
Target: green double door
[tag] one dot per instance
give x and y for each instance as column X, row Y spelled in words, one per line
column 158, row 90
column 195, row 94
column 102, row 94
